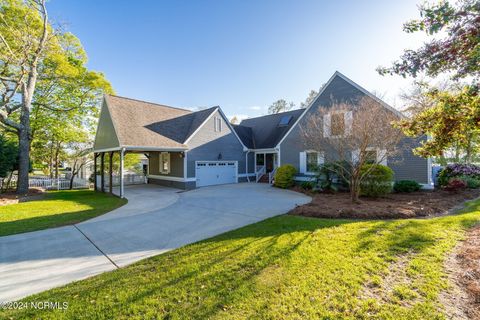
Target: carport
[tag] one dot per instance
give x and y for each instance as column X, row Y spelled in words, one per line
column 125, row 126
column 102, row 155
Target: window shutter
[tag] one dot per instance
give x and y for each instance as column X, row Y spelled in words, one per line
column 355, row 156
column 327, row 120
column 382, row 156
column 348, row 117
column 303, row 162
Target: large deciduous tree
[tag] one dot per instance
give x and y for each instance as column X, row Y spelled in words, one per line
column 43, row 74
column 348, row 133
column 280, row 106
column 457, row 52
column 452, row 122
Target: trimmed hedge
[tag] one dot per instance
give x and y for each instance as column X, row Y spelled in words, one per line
column 377, row 182
column 284, row 176
column 406, row 186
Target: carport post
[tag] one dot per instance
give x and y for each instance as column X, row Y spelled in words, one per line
column 102, row 173
column 95, row 155
column 122, row 154
column 110, row 173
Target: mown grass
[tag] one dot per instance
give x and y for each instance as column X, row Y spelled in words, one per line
column 57, row 208
column 287, row 267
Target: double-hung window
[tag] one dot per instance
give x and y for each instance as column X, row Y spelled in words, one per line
column 312, row 161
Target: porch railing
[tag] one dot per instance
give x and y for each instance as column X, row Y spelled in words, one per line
column 260, row 172
column 271, row 175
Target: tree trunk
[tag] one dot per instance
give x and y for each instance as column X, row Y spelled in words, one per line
column 354, row 190
column 57, row 152
column 23, row 153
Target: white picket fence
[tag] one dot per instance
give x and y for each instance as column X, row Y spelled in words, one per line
column 128, row 179
column 48, row 183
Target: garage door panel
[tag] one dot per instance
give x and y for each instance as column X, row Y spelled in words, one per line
column 215, row 172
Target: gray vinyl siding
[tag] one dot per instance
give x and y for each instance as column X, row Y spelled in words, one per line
column 106, row 136
column 407, row 166
column 176, row 164
column 207, row 144
column 251, row 162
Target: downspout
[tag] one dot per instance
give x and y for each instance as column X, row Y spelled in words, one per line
column 246, row 165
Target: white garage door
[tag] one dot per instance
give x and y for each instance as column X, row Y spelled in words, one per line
column 209, row 173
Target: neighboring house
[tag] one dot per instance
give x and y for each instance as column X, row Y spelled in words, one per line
column 193, row 149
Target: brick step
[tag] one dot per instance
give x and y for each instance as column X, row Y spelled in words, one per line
column 263, row 179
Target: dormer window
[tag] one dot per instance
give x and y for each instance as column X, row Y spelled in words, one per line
column 284, row 121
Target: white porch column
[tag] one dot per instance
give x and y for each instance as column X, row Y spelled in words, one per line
column 122, row 154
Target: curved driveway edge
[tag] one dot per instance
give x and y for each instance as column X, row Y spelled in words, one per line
column 155, row 220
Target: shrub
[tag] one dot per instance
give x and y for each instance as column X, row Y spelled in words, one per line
column 406, row 186
column 455, row 184
column 331, row 176
column 472, row 183
column 307, row 185
column 458, row 170
column 284, row 176
column 378, row 180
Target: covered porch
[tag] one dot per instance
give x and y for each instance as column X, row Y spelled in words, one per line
column 266, row 163
column 109, row 168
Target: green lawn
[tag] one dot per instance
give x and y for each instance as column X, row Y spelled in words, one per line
column 286, row 267
column 56, row 209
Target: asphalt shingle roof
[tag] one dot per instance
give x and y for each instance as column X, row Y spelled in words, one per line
column 264, row 132
column 145, row 124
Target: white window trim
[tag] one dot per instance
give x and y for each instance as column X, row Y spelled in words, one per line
column 161, row 158
column 320, row 160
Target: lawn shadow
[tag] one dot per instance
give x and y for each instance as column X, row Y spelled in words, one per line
column 98, row 203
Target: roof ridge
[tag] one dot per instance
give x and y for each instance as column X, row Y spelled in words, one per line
column 149, row 102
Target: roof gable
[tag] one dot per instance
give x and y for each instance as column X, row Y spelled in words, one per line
column 339, row 89
column 135, row 122
column 106, row 135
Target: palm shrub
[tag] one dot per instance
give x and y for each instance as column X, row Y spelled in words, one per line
column 284, row 176
column 377, row 180
column 331, row 176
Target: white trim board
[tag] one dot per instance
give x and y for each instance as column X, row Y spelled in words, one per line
column 171, row 178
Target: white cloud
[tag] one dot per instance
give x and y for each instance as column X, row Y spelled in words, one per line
column 255, row 108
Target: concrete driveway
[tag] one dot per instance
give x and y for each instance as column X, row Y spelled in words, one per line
column 155, row 220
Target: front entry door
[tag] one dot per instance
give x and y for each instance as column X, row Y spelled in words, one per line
column 269, row 162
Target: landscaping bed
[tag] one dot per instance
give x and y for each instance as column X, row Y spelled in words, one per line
column 394, row 205
column 11, row 197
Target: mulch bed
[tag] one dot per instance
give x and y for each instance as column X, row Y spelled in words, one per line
column 468, row 257
column 395, row 205
column 11, row 197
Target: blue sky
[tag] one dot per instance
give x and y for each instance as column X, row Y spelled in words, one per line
column 241, row 55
